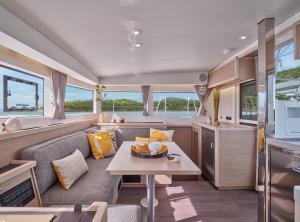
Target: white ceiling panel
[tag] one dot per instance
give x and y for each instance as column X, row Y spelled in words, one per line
column 176, row 35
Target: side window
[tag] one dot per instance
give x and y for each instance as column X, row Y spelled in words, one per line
column 248, row 101
column 287, row 74
column 21, row 93
column 78, row 100
column 126, row 102
column 176, row 103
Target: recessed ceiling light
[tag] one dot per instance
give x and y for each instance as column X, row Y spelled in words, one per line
column 137, row 32
column 242, row 37
column 138, row 45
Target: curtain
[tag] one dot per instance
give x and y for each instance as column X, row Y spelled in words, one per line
column 203, row 93
column 59, row 81
column 145, row 92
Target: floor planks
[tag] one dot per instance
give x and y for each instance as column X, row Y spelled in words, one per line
column 192, row 201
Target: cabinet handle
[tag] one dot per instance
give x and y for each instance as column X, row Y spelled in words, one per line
column 212, row 145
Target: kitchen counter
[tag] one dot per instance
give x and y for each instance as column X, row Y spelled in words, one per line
column 223, row 126
column 288, row 143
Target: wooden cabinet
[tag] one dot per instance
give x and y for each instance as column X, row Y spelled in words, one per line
column 229, row 157
column 236, row 71
column 183, row 138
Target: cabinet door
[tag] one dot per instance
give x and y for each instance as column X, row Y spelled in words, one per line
column 208, row 150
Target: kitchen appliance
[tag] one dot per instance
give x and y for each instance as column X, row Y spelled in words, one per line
column 284, row 175
column 287, row 119
column 208, row 154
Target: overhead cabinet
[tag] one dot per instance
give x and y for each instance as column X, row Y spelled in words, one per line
column 236, row 71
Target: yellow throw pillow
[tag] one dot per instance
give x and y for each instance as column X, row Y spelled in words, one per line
column 159, row 135
column 70, row 168
column 142, row 139
column 101, row 144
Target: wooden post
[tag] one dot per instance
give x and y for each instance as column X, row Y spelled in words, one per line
column 297, row 41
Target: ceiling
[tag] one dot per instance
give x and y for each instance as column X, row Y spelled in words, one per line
column 177, row 35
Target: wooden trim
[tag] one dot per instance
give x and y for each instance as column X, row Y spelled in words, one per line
column 10, row 58
column 36, row 188
column 12, row 144
column 297, row 41
column 99, row 207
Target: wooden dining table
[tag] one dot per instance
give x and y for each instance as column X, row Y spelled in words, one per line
column 124, row 163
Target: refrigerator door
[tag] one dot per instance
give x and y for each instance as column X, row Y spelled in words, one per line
column 284, row 175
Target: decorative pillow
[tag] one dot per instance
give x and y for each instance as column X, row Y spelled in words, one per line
column 142, row 139
column 159, row 135
column 70, row 168
column 101, row 144
column 113, row 138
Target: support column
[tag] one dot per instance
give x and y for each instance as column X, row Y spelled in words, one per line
column 150, row 198
column 265, row 70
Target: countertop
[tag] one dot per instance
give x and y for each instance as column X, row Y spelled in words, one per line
column 286, row 143
column 194, row 124
column 223, row 126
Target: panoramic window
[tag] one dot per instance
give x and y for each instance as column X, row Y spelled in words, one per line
column 287, row 74
column 248, row 101
column 21, row 93
column 176, row 103
column 78, row 100
column 122, row 102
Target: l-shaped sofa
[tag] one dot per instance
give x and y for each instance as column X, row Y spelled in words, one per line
column 94, row 186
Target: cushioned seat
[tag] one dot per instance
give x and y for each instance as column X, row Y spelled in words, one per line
column 93, row 186
column 124, row 213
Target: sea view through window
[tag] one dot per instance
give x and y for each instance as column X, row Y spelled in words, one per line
column 165, row 103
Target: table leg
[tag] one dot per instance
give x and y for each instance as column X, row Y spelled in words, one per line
column 150, row 198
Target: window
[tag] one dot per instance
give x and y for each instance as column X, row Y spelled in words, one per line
column 287, row 74
column 248, row 101
column 176, row 103
column 21, row 93
column 122, row 101
column 78, row 100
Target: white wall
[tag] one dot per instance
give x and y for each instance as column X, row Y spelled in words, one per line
column 227, row 106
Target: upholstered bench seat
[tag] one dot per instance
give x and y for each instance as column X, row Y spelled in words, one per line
column 95, row 185
column 124, row 213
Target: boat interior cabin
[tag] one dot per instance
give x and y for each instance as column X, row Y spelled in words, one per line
column 149, row 110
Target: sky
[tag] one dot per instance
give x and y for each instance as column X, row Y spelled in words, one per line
column 75, row 93
column 21, row 93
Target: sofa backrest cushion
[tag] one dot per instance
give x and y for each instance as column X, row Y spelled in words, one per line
column 54, row 149
column 129, row 133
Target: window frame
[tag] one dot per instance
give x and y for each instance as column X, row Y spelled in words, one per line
column 81, row 113
column 122, row 91
column 240, row 104
column 29, row 74
column 184, row 92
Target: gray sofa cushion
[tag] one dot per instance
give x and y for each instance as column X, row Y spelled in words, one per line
column 51, row 150
column 124, row 213
column 129, row 134
column 93, row 186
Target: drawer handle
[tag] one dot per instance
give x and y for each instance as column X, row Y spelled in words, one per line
column 212, row 145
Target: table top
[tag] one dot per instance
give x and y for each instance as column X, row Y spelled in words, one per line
column 124, row 163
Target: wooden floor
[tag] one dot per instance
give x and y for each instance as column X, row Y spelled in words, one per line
column 197, row 201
